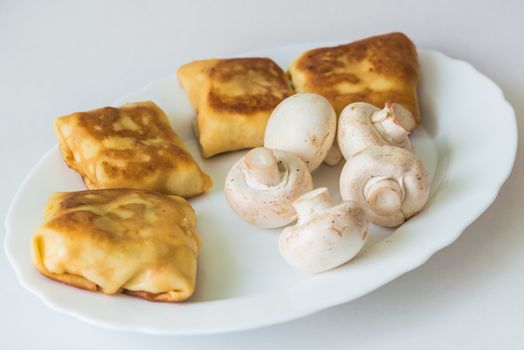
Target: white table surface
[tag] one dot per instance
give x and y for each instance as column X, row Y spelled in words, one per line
column 59, row 57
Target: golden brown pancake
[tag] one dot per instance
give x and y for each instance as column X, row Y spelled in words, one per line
column 373, row 70
column 132, row 146
column 233, row 99
column 138, row 242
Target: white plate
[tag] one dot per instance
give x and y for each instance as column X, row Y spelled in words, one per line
column 467, row 139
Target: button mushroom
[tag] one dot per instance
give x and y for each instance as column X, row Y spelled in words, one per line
column 390, row 183
column 325, row 236
column 303, row 124
column 334, row 156
column 261, row 186
column 361, row 125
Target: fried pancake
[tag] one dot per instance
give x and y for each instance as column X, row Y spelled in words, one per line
column 374, row 70
column 138, row 242
column 233, row 99
column 132, row 146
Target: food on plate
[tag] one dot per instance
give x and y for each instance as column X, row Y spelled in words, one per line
column 325, row 235
column 138, row 242
column 262, row 185
column 362, row 125
column 132, row 146
column 121, row 237
column 233, row 99
column 390, row 183
column 373, row 70
column 334, row 156
column 303, row 124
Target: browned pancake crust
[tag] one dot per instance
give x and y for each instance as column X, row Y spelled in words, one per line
column 72, row 221
column 164, row 297
column 82, row 283
column 135, row 148
column 100, row 124
column 70, row 280
column 392, row 57
column 233, row 99
column 261, row 82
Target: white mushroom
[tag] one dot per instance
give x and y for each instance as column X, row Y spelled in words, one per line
column 390, row 183
column 325, row 236
column 261, row 186
column 334, row 156
column 303, row 124
column 361, row 125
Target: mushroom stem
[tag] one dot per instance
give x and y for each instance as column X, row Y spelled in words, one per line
column 334, row 156
column 312, row 203
column 262, row 166
column 394, row 121
column 384, row 195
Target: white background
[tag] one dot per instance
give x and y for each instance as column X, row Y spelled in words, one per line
column 60, row 57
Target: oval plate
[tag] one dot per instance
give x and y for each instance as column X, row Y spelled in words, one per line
column 242, row 280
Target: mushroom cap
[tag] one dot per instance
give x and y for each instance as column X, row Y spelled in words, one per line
column 303, row 124
column 268, row 206
column 376, row 177
column 358, row 127
column 325, row 236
